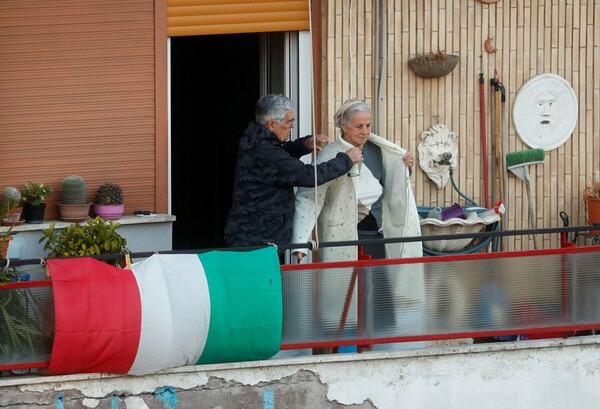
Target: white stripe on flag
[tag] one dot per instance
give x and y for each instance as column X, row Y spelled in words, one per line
column 175, row 312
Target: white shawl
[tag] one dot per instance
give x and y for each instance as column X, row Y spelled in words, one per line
column 336, row 207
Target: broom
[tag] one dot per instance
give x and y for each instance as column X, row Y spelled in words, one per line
column 518, row 163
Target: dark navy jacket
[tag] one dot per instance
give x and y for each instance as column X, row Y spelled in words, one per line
column 263, row 193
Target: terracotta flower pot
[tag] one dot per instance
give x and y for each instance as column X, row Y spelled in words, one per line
column 593, row 213
column 13, row 217
column 4, row 242
column 74, row 212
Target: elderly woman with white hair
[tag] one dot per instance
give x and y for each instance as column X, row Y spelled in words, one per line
column 374, row 200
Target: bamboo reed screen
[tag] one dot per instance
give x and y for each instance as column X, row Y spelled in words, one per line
column 366, row 46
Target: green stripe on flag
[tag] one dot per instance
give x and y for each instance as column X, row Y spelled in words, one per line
column 246, row 305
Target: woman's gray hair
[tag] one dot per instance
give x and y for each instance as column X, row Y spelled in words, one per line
column 272, row 106
column 349, row 108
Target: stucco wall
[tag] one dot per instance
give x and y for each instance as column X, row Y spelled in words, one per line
column 528, row 374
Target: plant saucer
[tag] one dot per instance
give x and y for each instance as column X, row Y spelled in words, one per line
column 73, row 219
column 17, row 223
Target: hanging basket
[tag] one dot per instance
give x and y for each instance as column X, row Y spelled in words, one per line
column 433, row 65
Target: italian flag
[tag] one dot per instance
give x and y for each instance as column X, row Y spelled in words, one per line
column 167, row 311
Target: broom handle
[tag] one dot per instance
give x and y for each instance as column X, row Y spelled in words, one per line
column 498, row 132
column 531, row 205
column 483, row 140
column 499, row 155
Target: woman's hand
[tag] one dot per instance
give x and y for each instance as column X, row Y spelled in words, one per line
column 299, row 255
column 355, row 154
column 409, row 160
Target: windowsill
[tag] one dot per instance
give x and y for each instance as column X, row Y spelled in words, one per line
column 59, row 224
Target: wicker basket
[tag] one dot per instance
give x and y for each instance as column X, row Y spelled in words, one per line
column 433, row 65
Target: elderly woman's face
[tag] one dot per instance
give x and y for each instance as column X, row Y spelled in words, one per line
column 282, row 129
column 357, row 130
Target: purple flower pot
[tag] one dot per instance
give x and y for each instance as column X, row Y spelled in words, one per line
column 109, row 212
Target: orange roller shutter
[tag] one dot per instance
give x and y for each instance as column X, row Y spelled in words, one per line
column 201, row 17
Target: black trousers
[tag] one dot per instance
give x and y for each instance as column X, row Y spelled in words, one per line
column 376, row 251
column 378, row 292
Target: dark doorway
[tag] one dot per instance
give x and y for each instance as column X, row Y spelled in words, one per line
column 214, row 87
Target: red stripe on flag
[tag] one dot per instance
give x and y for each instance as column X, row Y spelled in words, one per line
column 98, row 317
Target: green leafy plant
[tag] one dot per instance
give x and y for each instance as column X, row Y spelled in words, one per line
column 109, row 194
column 22, row 335
column 92, row 238
column 35, row 193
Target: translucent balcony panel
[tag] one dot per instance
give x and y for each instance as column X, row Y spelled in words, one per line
column 441, row 297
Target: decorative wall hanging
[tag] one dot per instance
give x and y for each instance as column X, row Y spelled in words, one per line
column 489, row 45
column 433, row 65
column 438, row 152
column 545, row 111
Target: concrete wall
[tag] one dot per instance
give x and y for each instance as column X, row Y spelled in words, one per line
column 527, row 374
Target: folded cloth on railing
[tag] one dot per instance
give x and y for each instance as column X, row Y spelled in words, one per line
column 167, row 311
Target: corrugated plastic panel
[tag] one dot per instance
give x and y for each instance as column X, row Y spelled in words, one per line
column 441, row 298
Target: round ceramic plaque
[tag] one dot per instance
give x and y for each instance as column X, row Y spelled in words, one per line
column 545, row 112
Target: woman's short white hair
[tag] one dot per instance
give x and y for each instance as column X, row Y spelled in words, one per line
column 349, row 108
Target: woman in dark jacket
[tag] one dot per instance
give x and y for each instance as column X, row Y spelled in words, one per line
column 268, row 169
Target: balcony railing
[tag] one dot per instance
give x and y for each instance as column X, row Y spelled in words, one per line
column 529, row 294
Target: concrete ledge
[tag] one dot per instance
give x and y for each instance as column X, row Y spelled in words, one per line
column 59, row 224
column 543, row 373
column 143, row 233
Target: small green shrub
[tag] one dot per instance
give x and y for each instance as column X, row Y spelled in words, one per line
column 92, row 238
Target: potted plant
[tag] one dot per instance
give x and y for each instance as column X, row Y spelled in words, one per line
column 591, row 200
column 11, row 207
column 73, row 206
column 22, row 336
column 33, row 196
column 93, row 238
column 108, row 203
